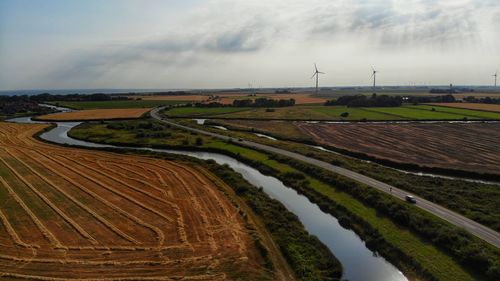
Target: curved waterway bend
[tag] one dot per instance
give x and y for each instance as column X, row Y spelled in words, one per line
column 359, row 263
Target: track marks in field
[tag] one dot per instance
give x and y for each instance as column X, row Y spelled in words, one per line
column 134, row 216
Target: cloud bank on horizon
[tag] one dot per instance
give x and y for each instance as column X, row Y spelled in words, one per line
column 230, row 43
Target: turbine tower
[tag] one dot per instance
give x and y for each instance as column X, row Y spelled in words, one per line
column 316, row 73
column 374, row 75
column 495, row 75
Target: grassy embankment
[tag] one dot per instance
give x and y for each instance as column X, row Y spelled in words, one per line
column 115, row 104
column 477, row 201
column 400, row 243
column 307, row 256
column 333, row 113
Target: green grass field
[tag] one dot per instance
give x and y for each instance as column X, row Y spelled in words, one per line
column 415, row 113
column 333, row 113
column 459, row 111
column 114, row 104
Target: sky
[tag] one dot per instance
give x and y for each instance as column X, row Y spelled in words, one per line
column 170, row 44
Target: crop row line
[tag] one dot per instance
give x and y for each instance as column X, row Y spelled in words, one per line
column 180, row 218
column 13, row 234
column 146, row 207
column 47, row 201
column 104, row 221
column 155, row 229
column 46, row 233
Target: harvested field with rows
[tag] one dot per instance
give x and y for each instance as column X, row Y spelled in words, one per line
column 470, row 147
column 95, row 114
column 72, row 213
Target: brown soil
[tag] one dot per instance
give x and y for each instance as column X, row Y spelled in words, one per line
column 469, row 147
column 95, row 114
column 71, row 213
column 475, row 106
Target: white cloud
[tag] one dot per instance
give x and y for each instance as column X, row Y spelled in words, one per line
column 226, row 43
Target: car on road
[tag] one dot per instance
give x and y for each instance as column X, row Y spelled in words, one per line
column 410, row 199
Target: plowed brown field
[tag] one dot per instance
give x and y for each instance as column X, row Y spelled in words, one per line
column 469, row 147
column 95, row 114
column 71, row 213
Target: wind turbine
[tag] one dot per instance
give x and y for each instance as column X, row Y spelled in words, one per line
column 495, row 75
column 374, row 75
column 316, row 73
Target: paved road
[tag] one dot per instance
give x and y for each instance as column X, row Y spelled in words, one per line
column 479, row 230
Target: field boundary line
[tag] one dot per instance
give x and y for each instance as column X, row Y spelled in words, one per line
column 386, row 113
column 466, row 115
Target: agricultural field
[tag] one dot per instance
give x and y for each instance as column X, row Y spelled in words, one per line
column 334, row 113
column 473, row 106
column 470, row 147
column 201, row 111
column 281, row 129
column 188, row 98
column 73, row 213
column 95, row 114
column 116, row 104
column 300, row 98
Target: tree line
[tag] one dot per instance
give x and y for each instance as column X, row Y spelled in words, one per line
column 260, row 102
column 263, row 102
column 482, row 100
column 364, row 101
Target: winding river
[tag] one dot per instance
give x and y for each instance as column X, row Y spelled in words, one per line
column 359, row 263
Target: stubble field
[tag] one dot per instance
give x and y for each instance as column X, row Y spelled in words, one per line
column 70, row 213
column 95, row 114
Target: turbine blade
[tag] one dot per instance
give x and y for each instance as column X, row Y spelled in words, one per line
column 321, row 72
column 313, row 75
column 315, row 67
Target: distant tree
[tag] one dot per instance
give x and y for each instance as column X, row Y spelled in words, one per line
column 199, row 141
column 344, row 114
